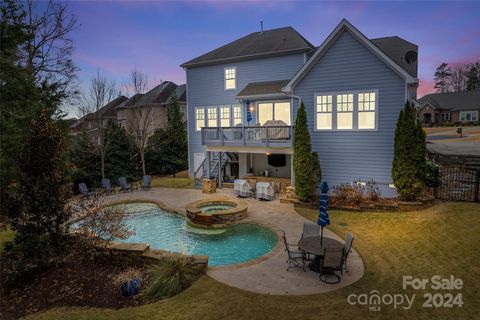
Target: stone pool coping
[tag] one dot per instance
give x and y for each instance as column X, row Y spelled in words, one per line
column 196, row 206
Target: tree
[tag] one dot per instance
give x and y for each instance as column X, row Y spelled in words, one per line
column 38, row 209
column 458, row 80
column 86, row 159
column 306, row 168
column 409, row 162
column 473, row 79
column 155, row 159
column 442, row 77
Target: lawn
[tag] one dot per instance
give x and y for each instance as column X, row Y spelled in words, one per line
column 181, row 181
column 440, row 240
column 6, row 236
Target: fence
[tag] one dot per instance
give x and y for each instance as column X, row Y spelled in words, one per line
column 456, row 183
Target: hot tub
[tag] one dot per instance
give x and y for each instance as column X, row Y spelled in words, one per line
column 216, row 213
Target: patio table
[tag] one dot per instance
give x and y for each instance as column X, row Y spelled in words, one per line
column 312, row 245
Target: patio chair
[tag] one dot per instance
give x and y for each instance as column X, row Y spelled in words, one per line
column 296, row 258
column 347, row 248
column 107, row 187
column 124, row 185
column 310, row 230
column 86, row 192
column 332, row 261
column 146, row 183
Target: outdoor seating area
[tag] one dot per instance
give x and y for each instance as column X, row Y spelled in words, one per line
column 108, row 189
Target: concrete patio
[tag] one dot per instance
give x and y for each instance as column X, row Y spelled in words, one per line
column 267, row 274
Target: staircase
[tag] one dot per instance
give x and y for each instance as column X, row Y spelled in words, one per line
column 218, row 161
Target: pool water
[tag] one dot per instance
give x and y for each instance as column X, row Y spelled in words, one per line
column 215, row 207
column 167, row 231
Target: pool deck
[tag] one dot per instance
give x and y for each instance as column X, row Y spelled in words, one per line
column 267, row 274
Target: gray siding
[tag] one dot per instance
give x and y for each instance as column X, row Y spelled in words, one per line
column 205, row 87
column 352, row 155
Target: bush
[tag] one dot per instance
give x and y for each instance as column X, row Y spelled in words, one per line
column 349, row 194
column 372, row 191
column 171, row 277
column 432, row 178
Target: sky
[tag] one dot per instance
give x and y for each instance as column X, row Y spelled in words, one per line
column 155, row 37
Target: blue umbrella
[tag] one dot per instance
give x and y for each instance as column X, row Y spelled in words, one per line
column 249, row 114
column 323, row 219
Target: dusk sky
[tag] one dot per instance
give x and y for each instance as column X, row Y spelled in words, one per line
column 157, row 36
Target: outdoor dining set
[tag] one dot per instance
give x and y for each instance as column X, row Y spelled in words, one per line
column 108, row 189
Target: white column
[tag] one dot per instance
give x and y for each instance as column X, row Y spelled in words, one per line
column 242, row 165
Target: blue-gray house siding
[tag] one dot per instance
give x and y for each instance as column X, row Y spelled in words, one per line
column 205, row 87
column 347, row 156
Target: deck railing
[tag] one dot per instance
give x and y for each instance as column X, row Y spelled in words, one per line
column 248, row 136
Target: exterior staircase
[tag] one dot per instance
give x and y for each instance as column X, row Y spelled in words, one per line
column 214, row 169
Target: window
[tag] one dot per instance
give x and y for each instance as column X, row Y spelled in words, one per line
column 274, row 111
column 366, row 110
column 324, row 112
column 446, row 116
column 469, row 116
column 225, row 116
column 237, row 115
column 345, row 111
column 230, row 78
column 212, row 117
column 199, row 118
column 355, row 110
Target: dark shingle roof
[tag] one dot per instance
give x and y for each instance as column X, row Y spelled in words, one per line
column 161, row 94
column 107, row 111
column 453, row 101
column 263, row 88
column 396, row 48
column 269, row 42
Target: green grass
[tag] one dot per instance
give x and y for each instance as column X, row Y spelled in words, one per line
column 169, row 182
column 441, row 240
column 6, row 236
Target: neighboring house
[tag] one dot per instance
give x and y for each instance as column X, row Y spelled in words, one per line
column 243, row 98
column 449, row 107
column 148, row 111
column 92, row 122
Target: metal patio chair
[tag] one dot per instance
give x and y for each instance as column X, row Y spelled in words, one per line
column 296, row 258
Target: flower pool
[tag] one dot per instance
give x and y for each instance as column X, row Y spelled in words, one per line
column 168, row 231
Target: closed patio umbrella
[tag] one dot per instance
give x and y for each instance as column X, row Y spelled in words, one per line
column 323, row 219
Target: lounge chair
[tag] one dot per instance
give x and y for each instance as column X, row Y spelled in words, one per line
column 107, row 187
column 86, row 192
column 296, row 258
column 146, row 183
column 124, row 185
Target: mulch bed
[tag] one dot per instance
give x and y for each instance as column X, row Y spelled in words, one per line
column 67, row 284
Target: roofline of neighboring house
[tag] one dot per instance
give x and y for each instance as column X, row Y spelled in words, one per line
column 244, row 57
column 342, row 26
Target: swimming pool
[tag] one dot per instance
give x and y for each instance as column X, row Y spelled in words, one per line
column 167, row 231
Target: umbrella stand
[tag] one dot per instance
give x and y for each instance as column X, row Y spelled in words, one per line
column 321, row 236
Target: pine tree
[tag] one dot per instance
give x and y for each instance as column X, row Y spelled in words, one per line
column 442, row 77
column 86, row 161
column 409, row 162
column 306, row 172
column 473, row 79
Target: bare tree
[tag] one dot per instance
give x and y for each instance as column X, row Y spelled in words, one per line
column 48, row 52
column 458, row 79
column 100, row 93
column 137, row 83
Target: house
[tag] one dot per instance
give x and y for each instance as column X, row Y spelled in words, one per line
column 146, row 112
column 449, row 107
column 92, row 122
column 243, row 98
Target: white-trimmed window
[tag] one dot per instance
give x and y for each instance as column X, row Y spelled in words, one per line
column 367, row 104
column 237, row 115
column 274, row 111
column 468, row 116
column 230, row 78
column 225, row 116
column 212, row 117
column 345, row 111
column 199, row 118
column 446, row 116
column 324, row 112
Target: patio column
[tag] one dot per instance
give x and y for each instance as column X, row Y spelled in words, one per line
column 242, row 165
column 292, row 174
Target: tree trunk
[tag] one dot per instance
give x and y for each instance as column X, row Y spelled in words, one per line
column 102, row 158
column 142, row 158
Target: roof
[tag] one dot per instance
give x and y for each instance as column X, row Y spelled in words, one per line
column 107, row 111
column 453, row 101
column 396, row 48
column 263, row 88
column 263, row 43
column 345, row 26
column 161, row 94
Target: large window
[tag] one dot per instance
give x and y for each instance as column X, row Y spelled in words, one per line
column 237, row 115
column 225, row 116
column 469, row 116
column 212, row 117
column 324, row 112
column 273, row 111
column 446, row 116
column 199, row 118
column 230, row 78
column 355, row 110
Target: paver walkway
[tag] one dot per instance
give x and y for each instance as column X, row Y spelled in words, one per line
column 268, row 276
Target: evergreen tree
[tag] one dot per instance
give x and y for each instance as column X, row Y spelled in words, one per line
column 409, row 162
column 306, row 170
column 86, row 161
column 155, row 159
column 473, row 79
column 442, row 77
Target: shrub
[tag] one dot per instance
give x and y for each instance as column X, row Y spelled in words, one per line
column 170, row 277
column 349, row 194
column 432, row 178
column 127, row 275
column 372, row 191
